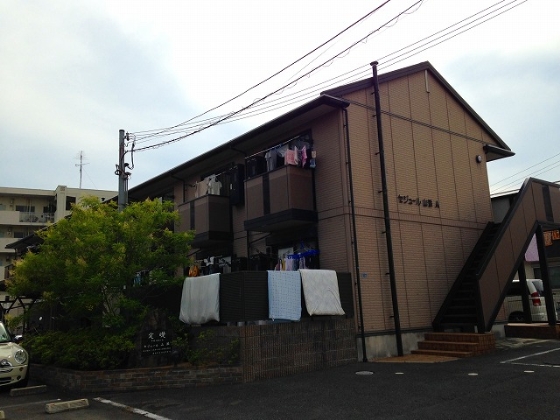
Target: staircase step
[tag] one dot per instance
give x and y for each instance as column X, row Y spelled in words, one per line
column 456, row 344
column 462, row 319
column 462, row 309
column 461, row 346
column 486, row 338
column 460, row 354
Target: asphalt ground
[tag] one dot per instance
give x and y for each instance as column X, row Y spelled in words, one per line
column 520, row 380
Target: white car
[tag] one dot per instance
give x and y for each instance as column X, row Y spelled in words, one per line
column 14, row 361
column 514, row 306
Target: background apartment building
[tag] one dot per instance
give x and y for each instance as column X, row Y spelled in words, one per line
column 24, row 211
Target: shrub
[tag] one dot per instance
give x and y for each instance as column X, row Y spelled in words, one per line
column 84, row 349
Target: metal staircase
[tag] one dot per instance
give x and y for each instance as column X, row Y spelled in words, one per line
column 478, row 293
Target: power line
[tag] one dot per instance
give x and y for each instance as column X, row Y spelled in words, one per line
column 201, row 125
column 282, row 102
column 227, row 116
column 285, row 68
column 517, row 181
column 447, row 36
column 525, row 170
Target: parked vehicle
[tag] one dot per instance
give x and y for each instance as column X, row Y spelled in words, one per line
column 514, row 306
column 14, row 360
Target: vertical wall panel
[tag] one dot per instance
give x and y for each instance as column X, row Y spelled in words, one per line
column 462, row 172
column 478, row 179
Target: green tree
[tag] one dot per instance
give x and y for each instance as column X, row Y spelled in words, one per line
column 88, row 262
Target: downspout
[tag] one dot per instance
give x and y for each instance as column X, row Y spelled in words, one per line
column 356, row 259
column 387, row 218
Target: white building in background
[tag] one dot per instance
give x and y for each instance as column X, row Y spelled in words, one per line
column 24, row 211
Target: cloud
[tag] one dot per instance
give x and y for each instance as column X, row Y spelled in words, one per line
column 516, row 95
column 74, row 79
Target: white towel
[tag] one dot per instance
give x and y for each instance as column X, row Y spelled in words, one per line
column 320, row 290
column 200, row 300
column 284, row 295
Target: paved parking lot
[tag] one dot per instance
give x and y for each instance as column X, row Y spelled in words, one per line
column 519, row 380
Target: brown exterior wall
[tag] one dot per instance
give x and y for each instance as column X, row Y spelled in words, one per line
column 430, row 144
column 438, row 194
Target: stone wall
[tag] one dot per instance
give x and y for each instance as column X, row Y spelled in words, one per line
column 265, row 351
column 135, row 379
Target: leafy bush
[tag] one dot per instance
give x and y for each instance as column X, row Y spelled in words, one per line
column 84, row 349
column 93, row 276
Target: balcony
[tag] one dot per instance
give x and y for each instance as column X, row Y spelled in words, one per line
column 280, row 199
column 210, row 217
column 10, row 217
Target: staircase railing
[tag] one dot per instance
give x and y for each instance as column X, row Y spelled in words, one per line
column 537, row 203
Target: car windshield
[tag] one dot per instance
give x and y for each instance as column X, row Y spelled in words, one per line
column 4, row 334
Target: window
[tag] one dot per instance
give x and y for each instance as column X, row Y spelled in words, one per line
column 51, row 208
column 69, row 202
column 553, row 272
column 26, row 209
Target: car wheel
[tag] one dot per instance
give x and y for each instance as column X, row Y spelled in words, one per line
column 516, row 317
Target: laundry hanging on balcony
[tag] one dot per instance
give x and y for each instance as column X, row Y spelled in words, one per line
column 200, row 299
column 284, row 295
column 321, row 293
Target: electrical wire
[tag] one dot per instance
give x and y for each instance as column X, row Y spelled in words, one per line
column 512, row 182
column 244, row 112
column 454, row 33
column 286, row 67
column 273, row 104
column 231, row 114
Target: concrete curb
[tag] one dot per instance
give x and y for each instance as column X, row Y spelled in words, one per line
column 57, row 407
column 30, row 390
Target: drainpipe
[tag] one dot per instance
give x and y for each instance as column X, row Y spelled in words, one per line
column 356, row 259
column 388, row 237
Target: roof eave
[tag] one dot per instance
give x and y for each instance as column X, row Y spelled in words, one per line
column 426, row 65
column 167, row 179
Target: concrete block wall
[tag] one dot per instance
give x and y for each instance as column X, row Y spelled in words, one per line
column 276, row 350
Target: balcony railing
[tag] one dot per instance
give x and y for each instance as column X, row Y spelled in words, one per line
column 280, row 199
column 36, row 218
column 210, row 217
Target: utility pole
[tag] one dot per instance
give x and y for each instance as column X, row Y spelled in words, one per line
column 121, row 173
column 81, row 164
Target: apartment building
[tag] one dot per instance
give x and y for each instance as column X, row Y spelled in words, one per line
column 310, row 189
column 24, row 211
column 385, row 179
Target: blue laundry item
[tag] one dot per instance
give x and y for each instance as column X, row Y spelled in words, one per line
column 284, row 295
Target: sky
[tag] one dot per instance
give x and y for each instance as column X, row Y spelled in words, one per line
column 72, row 74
